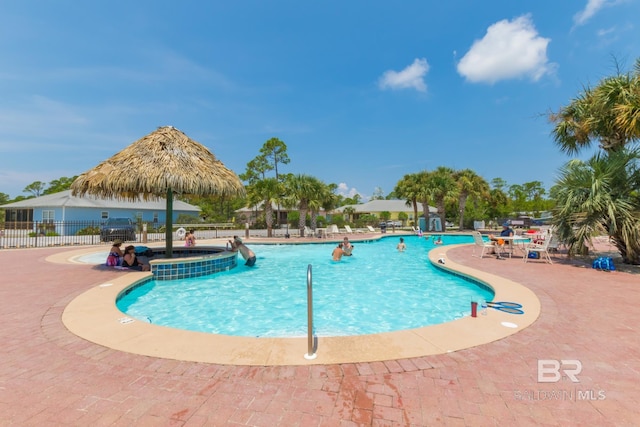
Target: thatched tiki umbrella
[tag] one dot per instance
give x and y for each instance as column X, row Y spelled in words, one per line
column 164, row 163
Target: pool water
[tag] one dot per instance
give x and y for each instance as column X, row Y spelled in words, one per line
column 378, row 289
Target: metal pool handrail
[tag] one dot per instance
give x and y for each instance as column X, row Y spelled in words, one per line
column 310, row 350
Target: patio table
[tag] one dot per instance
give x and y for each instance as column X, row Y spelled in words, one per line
column 516, row 242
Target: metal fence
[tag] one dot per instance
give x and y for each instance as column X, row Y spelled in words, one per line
column 33, row 234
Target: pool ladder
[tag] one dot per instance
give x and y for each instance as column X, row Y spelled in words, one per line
column 311, row 342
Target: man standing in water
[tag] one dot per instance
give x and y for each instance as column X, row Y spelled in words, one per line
column 338, row 252
column 246, row 253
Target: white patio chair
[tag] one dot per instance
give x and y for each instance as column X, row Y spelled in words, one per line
column 540, row 248
column 479, row 243
column 308, row 232
column 348, row 229
column 371, row 229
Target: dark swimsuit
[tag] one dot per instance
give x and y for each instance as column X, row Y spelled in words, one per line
column 136, row 265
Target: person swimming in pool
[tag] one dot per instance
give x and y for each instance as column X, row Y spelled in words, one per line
column 347, row 247
column 246, row 253
column 338, row 252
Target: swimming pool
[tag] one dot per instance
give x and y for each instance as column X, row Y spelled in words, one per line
column 376, row 290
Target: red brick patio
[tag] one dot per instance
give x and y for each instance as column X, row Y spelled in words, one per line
column 50, row 377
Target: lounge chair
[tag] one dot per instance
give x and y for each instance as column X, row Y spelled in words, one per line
column 540, row 248
column 332, row 229
column 371, row 229
column 479, row 243
column 348, row 229
column 308, row 232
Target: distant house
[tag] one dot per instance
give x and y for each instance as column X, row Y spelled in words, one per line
column 251, row 213
column 63, row 206
column 394, row 207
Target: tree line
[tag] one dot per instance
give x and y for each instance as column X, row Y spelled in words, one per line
column 600, row 196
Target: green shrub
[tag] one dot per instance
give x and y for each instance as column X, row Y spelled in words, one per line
column 88, row 231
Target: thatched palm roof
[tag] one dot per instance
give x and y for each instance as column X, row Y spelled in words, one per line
column 166, row 159
column 163, row 163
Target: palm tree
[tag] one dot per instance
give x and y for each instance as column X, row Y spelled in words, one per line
column 608, row 112
column 471, row 185
column 600, row 196
column 408, row 188
column 441, row 186
column 328, row 201
column 266, row 191
column 424, row 194
column 302, row 190
column 348, row 213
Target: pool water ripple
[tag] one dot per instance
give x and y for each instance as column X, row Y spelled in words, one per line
column 376, row 290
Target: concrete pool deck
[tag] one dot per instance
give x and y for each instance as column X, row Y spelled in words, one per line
column 49, row 376
column 94, row 317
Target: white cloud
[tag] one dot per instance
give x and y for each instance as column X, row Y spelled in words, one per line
column 509, row 49
column 605, row 31
column 344, row 190
column 411, row 77
column 592, row 7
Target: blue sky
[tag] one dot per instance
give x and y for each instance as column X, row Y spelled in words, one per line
column 362, row 92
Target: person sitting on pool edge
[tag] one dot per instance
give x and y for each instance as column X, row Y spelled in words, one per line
column 114, row 259
column 131, row 261
column 347, row 247
column 246, row 253
column 337, row 252
column 190, row 238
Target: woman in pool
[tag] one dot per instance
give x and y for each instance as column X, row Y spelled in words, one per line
column 131, row 261
column 401, row 246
